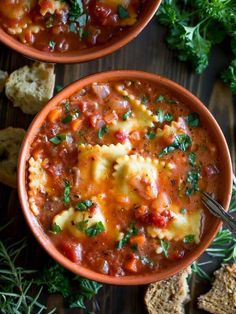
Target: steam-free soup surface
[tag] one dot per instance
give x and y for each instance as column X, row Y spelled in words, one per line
column 114, row 177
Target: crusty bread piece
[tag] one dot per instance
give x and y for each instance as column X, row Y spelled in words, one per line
column 3, row 78
column 221, row 299
column 10, row 142
column 168, row 296
column 30, row 88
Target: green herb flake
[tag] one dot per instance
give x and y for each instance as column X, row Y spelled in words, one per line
column 146, row 261
column 73, row 28
column 102, row 131
column 189, row 238
column 84, row 205
column 67, row 119
column 160, row 98
column 130, row 232
column 126, row 98
column 144, row 100
column 192, row 159
column 150, row 135
column 122, row 12
column 192, row 181
column 183, row 211
column 66, row 105
column 181, row 142
column 58, row 88
column 193, row 120
column 56, row 228
column 127, row 115
column 95, row 229
column 66, row 198
column 165, row 247
column 52, row 44
column 82, row 225
column 162, row 116
column 58, row 139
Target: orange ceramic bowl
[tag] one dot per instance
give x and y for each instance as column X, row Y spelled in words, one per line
column 89, row 53
column 206, row 118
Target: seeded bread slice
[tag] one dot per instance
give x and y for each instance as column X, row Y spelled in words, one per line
column 168, row 296
column 221, row 299
column 3, row 78
column 30, row 88
column 10, row 142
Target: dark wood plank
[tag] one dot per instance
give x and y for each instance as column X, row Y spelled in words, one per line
column 147, row 52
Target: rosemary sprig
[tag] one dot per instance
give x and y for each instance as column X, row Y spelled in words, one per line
column 232, row 206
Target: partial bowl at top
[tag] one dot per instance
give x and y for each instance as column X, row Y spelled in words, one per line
column 69, row 32
column 110, row 175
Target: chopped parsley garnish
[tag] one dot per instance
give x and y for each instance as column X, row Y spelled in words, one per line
column 66, row 192
column 56, row 228
column 122, row 12
column 77, row 12
column 67, row 119
column 193, row 120
column 183, row 211
column 162, row 98
column 95, row 229
column 51, row 44
column 181, row 141
column 82, row 225
column 102, row 131
column 146, row 261
column 127, row 115
column 58, row 139
column 192, row 181
column 150, row 135
column 144, row 100
column 189, row 238
column 73, row 28
column 162, row 116
column 67, row 106
column 130, row 232
column 49, row 22
column 126, row 98
column 159, row 99
column 192, row 159
column 165, row 247
column 84, row 205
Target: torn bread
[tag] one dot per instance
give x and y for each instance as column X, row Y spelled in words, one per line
column 3, row 79
column 168, row 296
column 30, row 88
column 10, row 143
column 221, row 299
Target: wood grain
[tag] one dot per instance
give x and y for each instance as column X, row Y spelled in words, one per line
column 147, row 52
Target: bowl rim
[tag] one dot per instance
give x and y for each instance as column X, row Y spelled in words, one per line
column 95, row 53
column 38, row 231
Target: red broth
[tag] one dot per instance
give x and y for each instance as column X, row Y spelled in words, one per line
column 60, row 26
column 114, row 177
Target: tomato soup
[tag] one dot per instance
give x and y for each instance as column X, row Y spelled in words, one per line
column 115, row 174
column 60, row 26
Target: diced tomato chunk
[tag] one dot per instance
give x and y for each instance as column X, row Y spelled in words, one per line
column 110, row 117
column 210, row 170
column 121, row 136
column 94, row 121
column 103, row 14
column 71, row 250
column 132, row 264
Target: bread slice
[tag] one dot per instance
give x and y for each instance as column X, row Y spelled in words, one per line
column 3, row 78
column 30, row 88
column 10, row 142
column 168, row 296
column 221, row 299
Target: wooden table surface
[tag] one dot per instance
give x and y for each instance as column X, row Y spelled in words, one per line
column 147, row 52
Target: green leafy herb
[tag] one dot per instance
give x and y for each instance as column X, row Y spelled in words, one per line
column 67, row 119
column 200, row 272
column 66, row 192
column 183, row 211
column 82, row 225
column 58, row 139
column 58, row 88
column 192, row 181
column 52, row 44
column 150, row 135
column 162, row 98
column 73, row 28
column 193, row 120
column 77, row 12
column 67, row 106
column 162, row 116
column 127, row 115
column 181, row 141
column 196, row 26
column 95, row 229
column 56, row 228
column 130, row 232
column 122, row 12
column 49, row 22
column 146, row 261
column 192, row 158
column 84, row 205
column 102, row 131
column 189, row 238
column 165, row 247
column 144, row 100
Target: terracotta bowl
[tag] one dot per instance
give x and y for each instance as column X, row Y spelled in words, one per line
column 181, row 94
column 88, row 53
